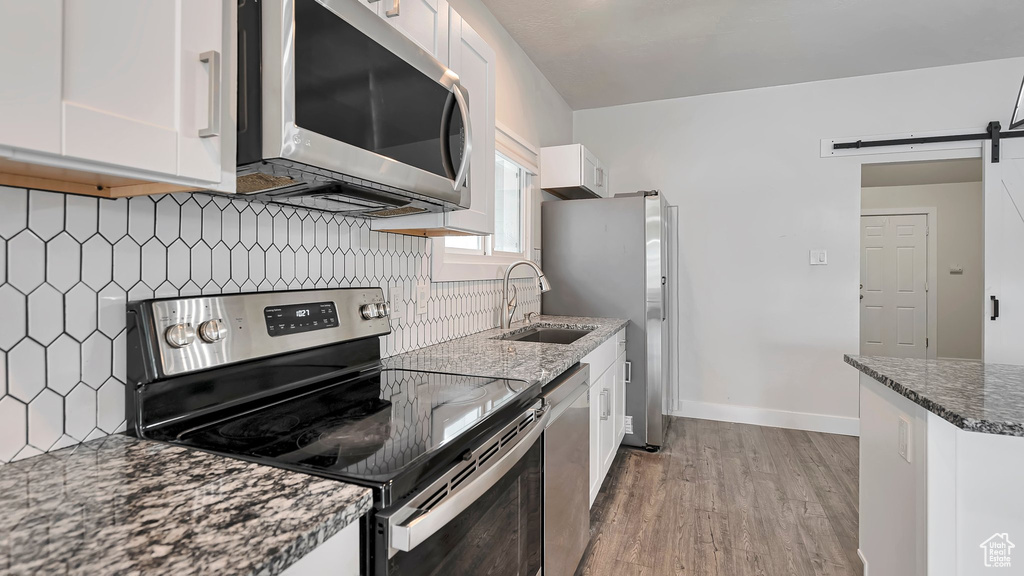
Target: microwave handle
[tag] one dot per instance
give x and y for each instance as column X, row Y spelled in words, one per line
column 467, row 150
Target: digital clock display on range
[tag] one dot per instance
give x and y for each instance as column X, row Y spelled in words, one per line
column 296, row 318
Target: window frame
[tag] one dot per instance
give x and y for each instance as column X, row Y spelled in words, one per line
column 458, row 265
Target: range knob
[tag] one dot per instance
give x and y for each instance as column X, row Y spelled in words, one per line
column 370, row 311
column 383, row 309
column 180, row 335
column 213, row 331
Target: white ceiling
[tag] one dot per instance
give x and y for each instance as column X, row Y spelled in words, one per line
column 607, row 52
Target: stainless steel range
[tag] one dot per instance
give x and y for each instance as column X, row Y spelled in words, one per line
column 294, row 380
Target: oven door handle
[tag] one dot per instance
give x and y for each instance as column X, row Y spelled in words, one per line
column 415, row 529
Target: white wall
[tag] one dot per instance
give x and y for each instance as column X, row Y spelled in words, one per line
column 762, row 333
column 959, row 235
column 526, row 102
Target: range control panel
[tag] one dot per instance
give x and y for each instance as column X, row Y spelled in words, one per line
column 191, row 334
column 295, row 318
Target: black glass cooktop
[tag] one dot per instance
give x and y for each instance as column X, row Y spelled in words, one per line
column 372, row 428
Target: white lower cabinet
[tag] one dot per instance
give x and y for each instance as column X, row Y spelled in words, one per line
column 607, row 408
column 338, row 556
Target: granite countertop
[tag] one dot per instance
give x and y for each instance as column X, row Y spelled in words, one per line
column 121, row 505
column 480, row 355
column 975, row 396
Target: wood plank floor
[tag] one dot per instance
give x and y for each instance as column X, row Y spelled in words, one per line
column 725, row 499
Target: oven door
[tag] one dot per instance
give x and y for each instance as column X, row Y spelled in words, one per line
column 345, row 93
column 482, row 516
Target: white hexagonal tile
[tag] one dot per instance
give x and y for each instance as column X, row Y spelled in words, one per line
column 14, row 216
column 202, row 264
column 327, row 265
column 178, row 263
column 229, row 226
column 63, row 365
column 295, row 231
column 110, row 406
column 14, row 326
column 239, row 264
column 221, row 264
column 82, row 216
column 191, row 222
column 127, row 263
column 247, row 227
column 120, row 359
column 46, row 213
column 45, row 314
column 166, row 290
column 112, row 310
column 26, row 261
column 80, row 316
column 211, row 223
column 96, row 359
column 280, row 230
column 26, row 370
column 168, row 219
column 63, row 262
column 308, row 232
column 140, row 292
column 273, row 265
column 257, row 265
column 350, row 266
column 287, row 265
column 154, row 263
column 314, row 265
column 80, row 412
column 113, row 219
column 97, row 262
column 13, row 425
column 301, row 265
column 45, row 419
column 190, row 289
column 141, row 219
column 265, row 229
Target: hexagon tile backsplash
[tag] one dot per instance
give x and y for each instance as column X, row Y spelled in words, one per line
column 69, row 263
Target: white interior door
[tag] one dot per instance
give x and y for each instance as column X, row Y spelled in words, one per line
column 894, row 273
column 1004, row 253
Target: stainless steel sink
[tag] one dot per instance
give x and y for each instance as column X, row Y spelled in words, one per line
column 546, row 335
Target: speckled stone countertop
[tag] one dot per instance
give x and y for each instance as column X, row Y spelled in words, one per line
column 974, row 396
column 481, row 355
column 120, row 505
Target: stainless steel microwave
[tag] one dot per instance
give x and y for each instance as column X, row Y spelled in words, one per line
column 338, row 111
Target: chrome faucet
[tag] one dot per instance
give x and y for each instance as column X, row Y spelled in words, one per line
column 511, row 303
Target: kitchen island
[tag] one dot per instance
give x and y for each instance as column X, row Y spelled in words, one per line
column 941, row 466
column 121, row 505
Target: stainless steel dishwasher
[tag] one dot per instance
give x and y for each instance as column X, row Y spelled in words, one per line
column 567, row 471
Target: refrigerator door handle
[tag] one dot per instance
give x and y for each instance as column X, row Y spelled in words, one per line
column 664, row 301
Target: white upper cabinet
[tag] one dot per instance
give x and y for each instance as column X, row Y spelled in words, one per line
column 130, row 88
column 475, row 63
column 423, row 21
column 30, row 56
column 571, row 172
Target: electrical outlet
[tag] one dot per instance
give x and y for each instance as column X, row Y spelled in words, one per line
column 629, row 424
column 396, row 301
column 904, row 439
column 422, row 295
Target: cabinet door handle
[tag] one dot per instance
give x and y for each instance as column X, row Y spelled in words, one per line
column 995, row 307
column 395, row 10
column 213, row 59
column 627, row 372
column 604, row 404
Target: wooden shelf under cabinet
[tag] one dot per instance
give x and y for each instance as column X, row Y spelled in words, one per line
column 22, row 175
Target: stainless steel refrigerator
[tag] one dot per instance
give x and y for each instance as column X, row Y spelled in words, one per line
column 610, row 257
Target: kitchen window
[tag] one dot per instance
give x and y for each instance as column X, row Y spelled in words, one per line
column 511, row 187
column 516, row 212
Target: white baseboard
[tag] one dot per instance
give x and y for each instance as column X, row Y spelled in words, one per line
column 863, row 561
column 767, row 417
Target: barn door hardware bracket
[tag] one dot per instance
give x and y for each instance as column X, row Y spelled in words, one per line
column 993, row 132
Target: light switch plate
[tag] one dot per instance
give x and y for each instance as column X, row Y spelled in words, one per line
column 629, row 424
column 903, row 446
column 819, row 257
column 422, row 295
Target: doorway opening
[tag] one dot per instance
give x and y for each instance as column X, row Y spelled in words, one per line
column 922, row 259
